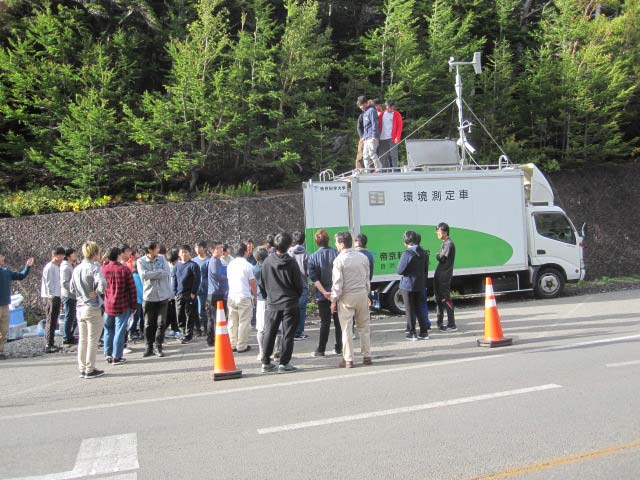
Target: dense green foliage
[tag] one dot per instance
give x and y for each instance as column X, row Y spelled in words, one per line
column 145, row 97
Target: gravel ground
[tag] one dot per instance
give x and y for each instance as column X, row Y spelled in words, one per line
column 33, row 346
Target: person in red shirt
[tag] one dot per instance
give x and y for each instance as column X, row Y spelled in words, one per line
column 390, row 125
column 119, row 301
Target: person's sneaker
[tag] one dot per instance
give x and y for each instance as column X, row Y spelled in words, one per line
column 82, row 374
column 95, row 374
column 259, row 357
column 245, row 349
column 288, row 368
column 51, row 349
column 452, row 328
column 406, row 330
column 424, row 336
column 302, row 336
column 186, row 340
column 337, row 352
column 127, row 351
column 318, row 354
column 234, row 349
column 199, row 333
column 411, row 337
column 345, row 364
column 108, row 359
column 158, row 352
column 119, row 361
column 367, row 361
column 268, row 368
column 442, row 328
column 148, row 352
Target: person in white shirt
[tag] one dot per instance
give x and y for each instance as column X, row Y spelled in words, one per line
column 50, row 291
column 350, row 298
column 242, row 296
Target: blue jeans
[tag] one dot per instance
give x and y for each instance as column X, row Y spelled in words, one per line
column 68, row 319
column 202, row 310
column 115, row 330
column 303, row 311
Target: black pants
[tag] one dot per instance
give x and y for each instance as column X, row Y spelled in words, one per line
column 172, row 316
column 289, row 319
column 324, row 309
column 413, row 310
column 211, row 328
column 155, row 317
column 186, row 313
column 52, row 307
column 442, row 293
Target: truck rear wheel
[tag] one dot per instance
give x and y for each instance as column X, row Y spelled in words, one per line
column 394, row 301
column 549, row 283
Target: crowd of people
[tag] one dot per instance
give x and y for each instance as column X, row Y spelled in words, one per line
column 127, row 294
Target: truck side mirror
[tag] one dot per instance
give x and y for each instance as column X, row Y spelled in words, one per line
column 584, row 231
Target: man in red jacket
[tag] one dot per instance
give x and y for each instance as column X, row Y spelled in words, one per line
column 390, row 124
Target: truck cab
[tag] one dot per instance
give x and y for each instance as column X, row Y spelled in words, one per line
column 555, row 250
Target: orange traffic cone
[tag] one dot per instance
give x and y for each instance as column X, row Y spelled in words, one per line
column 493, row 336
column 224, row 366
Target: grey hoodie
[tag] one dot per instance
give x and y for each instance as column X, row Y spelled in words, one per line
column 301, row 256
column 155, row 278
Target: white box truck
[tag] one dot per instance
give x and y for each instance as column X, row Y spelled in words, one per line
column 502, row 217
column 502, row 220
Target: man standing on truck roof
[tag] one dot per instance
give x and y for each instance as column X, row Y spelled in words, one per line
column 371, row 137
column 361, row 103
column 442, row 279
column 390, row 125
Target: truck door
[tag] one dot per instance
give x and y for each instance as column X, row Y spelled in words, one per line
column 326, row 206
column 555, row 242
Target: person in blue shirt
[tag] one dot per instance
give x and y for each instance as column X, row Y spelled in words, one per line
column 361, row 246
column 218, row 288
column 137, row 325
column 202, row 260
column 6, row 276
column 413, row 270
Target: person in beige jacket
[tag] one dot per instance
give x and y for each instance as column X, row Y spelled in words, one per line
column 350, row 297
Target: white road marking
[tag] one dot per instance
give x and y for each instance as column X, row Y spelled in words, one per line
column 623, row 364
column 583, row 344
column 126, row 476
column 101, row 456
column 342, row 376
column 412, row 408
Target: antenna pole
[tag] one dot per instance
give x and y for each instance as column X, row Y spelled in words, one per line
column 460, row 115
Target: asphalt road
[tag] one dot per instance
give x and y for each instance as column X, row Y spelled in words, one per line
column 561, row 403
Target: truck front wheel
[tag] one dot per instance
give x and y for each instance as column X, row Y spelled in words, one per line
column 549, row 283
column 394, row 301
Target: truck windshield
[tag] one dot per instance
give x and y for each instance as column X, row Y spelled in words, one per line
column 555, row 226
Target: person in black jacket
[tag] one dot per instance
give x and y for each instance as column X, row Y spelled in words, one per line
column 281, row 285
column 413, row 266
